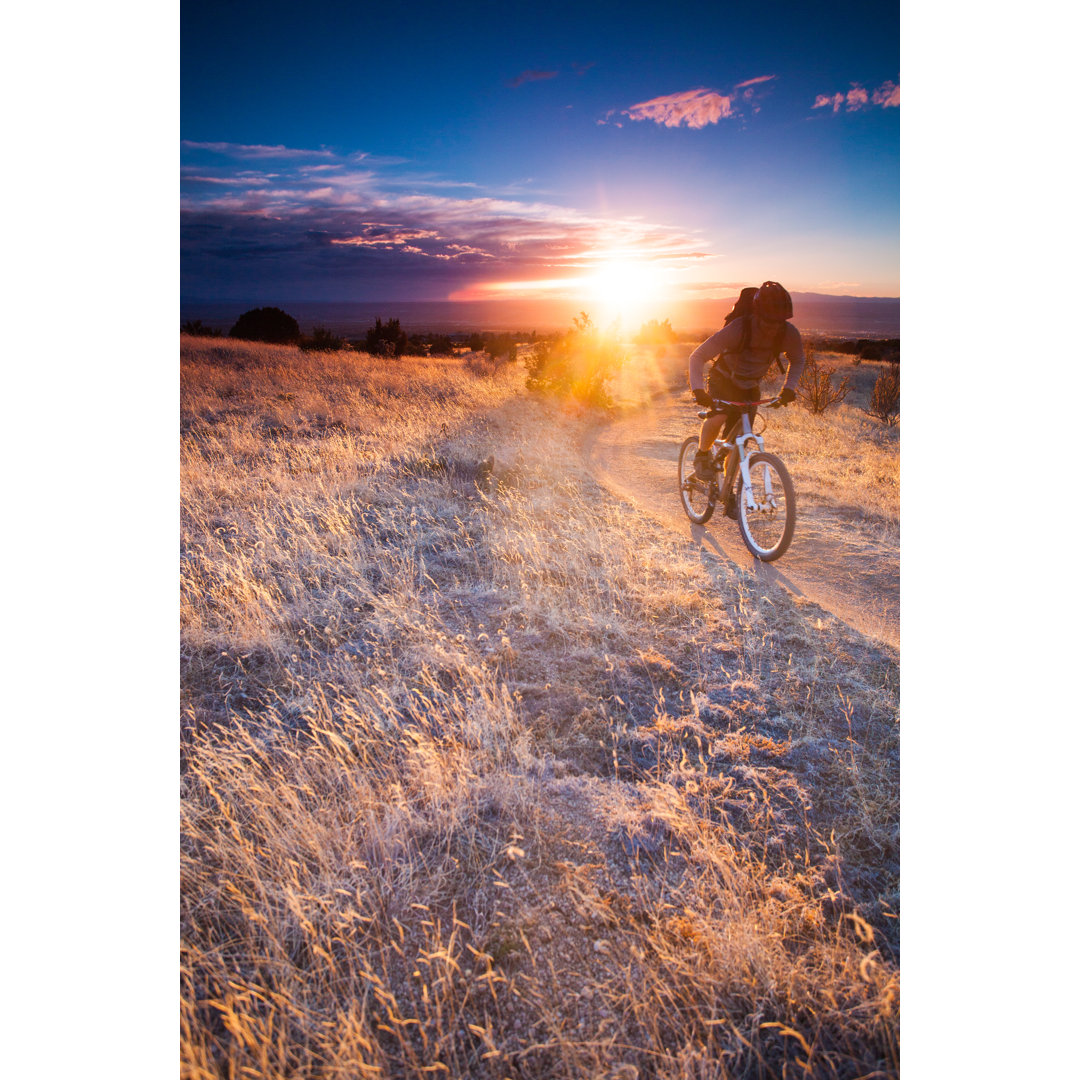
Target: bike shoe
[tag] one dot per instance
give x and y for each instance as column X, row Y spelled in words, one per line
column 703, row 466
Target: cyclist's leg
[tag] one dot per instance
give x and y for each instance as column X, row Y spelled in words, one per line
column 719, row 386
column 710, row 428
column 734, row 418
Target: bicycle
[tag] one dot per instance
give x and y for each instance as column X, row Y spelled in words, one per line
column 762, row 488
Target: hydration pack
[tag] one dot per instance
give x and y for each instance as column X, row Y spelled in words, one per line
column 743, row 309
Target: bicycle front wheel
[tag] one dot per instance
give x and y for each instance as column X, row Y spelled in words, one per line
column 766, row 508
column 698, row 497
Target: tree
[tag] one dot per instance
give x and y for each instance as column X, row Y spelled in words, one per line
column 388, row 340
column 266, row 324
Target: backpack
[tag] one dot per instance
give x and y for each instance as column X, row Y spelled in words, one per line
column 743, row 309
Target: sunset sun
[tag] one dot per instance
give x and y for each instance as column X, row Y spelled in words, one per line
column 622, row 289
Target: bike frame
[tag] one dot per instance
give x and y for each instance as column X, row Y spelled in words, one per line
column 739, row 443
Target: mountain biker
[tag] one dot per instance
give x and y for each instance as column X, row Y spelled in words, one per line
column 743, row 351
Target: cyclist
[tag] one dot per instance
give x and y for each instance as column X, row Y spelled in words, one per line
column 743, row 352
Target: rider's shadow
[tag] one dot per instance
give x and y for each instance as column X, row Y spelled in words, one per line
column 767, row 573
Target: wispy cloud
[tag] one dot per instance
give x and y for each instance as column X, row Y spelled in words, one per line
column 754, row 81
column 692, row 108
column 241, row 150
column 532, row 76
column 359, row 227
column 857, row 99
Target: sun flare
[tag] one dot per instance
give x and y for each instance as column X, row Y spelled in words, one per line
column 625, row 290
column 616, row 287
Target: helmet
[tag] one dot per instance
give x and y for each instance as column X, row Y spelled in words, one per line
column 773, row 301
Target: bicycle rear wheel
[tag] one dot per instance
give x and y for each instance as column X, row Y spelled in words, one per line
column 698, row 497
column 766, row 510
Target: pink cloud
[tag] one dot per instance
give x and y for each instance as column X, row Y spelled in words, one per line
column 754, row 82
column 887, row 94
column 857, row 99
column 694, row 108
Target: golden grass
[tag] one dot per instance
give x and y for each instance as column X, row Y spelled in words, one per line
column 485, row 774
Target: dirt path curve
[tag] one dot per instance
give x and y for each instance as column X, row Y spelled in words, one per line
column 637, row 459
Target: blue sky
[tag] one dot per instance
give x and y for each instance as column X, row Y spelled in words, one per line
column 350, row 152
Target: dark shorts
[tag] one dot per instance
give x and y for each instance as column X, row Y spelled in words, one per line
column 720, row 386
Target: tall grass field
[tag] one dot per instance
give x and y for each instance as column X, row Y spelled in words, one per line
column 486, row 774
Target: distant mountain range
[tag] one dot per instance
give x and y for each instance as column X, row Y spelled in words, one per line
column 815, row 313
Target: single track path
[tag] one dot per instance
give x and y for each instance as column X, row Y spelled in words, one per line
column 858, row 581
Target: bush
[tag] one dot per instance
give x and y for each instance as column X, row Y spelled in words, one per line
column 441, row 345
column 885, row 397
column 196, row 329
column 656, row 333
column 576, row 365
column 388, row 340
column 496, row 345
column 816, row 388
column 322, row 341
column 269, row 324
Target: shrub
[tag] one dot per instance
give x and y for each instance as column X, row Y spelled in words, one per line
column 388, row 340
column 496, row 345
column 441, row 345
column 322, row 341
column 885, row 397
column 196, row 329
column 656, row 333
column 576, row 365
column 816, row 387
column 269, row 324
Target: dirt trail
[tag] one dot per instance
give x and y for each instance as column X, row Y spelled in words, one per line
column 637, row 459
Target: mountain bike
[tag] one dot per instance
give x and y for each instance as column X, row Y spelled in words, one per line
column 764, row 495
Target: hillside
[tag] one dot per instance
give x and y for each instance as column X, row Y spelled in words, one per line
column 487, row 774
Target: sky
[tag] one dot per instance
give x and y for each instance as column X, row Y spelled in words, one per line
column 482, row 151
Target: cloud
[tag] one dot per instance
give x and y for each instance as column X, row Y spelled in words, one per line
column 532, row 76
column 241, row 150
column 694, row 108
column 361, row 229
column 858, row 100
column 887, row 95
column 754, row 82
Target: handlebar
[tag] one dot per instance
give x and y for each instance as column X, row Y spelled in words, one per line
column 748, row 404
column 721, row 406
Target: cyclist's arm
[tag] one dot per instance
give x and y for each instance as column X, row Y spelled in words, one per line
column 709, row 349
column 793, row 350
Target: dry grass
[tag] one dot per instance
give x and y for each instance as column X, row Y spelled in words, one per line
column 485, row 775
